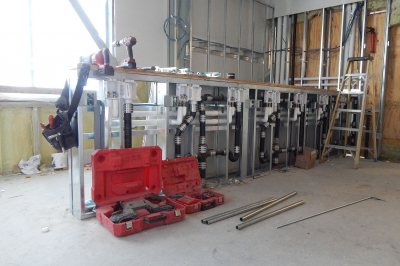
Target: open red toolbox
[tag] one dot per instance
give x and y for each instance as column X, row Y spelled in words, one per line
column 125, row 188
column 182, row 184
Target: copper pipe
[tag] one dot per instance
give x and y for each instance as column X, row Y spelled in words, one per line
column 254, row 213
column 234, row 212
column 269, row 215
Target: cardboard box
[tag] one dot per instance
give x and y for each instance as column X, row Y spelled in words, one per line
column 306, row 160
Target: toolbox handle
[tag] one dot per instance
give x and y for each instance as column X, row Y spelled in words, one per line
column 208, row 205
column 154, row 219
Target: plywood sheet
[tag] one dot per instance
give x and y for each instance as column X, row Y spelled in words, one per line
column 313, row 46
column 391, row 128
column 334, row 44
column 299, row 48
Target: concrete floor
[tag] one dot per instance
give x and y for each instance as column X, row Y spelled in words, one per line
column 364, row 234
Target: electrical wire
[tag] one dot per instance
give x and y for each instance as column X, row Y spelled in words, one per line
column 180, row 24
column 356, row 15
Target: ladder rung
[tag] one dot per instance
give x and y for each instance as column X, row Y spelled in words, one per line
column 348, row 148
column 339, row 147
column 346, row 129
column 350, row 110
column 347, row 92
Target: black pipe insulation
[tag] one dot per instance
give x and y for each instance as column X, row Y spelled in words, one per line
column 275, row 155
column 318, row 136
column 212, row 152
column 127, row 130
column 212, row 98
column 190, row 116
column 262, row 156
column 301, row 133
column 293, row 50
column 202, row 155
column 128, row 109
column 235, row 155
column 204, row 152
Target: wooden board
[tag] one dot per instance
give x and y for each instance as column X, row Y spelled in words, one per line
column 299, row 48
column 334, row 45
column 391, row 127
column 313, row 45
column 234, row 82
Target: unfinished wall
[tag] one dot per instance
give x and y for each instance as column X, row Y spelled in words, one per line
column 391, row 126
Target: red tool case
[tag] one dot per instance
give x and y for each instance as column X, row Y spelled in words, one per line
column 120, row 176
column 182, row 184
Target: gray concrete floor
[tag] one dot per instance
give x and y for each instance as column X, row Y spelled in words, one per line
column 363, row 234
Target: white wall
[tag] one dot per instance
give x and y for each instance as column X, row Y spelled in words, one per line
column 288, row 7
column 143, row 19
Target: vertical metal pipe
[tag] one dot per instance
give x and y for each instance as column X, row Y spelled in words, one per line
column 364, row 22
column 321, row 52
column 303, row 53
column 208, row 34
column 239, row 39
column 271, row 132
column 227, row 138
column 225, row 30
column 287, row 133
column 383, row 85
column 254, row 132
column 273, row 50
column 191, row 36
column 264, row 43
column 293, row 50
column 278, row 50
column 328, row 53
column 341, row 47
column 175, row 35
column 287, row 53
column 252, row 40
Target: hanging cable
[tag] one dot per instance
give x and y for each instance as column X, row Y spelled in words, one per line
column 356, row 14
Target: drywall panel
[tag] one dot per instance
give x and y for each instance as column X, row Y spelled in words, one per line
column 199, row 19
column 143, row 19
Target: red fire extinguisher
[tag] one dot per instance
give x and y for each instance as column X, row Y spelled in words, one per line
column 372, row 39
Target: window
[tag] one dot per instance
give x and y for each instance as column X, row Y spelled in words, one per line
column 42, row 39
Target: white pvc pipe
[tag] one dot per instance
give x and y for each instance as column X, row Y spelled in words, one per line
column 180, row 115
column 215, row 121
column 295, row 114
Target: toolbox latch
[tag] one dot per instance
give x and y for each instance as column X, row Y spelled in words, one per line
column 128, row 225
